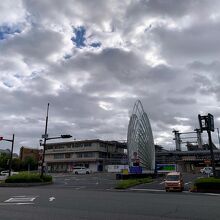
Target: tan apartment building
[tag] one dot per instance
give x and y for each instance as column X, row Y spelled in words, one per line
column 93, row 154
column 26, row 152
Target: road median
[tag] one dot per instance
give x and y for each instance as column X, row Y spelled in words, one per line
column 125, row 184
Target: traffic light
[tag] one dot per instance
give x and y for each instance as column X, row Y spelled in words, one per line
column 66, row 136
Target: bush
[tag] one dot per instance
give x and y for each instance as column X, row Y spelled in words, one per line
column 124, row 184
column 210, row 183
column 26, row 177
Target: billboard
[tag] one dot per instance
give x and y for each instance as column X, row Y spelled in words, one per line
column 166, row 168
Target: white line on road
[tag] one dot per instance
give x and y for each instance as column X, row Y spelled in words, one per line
column 188, row 183
column 21, row 199
column 51, row 199
column 161, row 183
column 149, row 190
column 18, row 203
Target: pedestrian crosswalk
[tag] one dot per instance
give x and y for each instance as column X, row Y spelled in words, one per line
column 20, row 200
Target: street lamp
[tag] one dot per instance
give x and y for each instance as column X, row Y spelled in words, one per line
column 11, row 155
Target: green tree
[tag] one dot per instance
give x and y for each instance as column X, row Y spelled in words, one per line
column 4, row 161
column 16, row 164
column 30, row 163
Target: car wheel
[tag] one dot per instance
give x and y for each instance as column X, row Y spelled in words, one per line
column 87, row 172
column 76, row 172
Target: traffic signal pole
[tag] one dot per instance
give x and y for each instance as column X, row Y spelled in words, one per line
column 11, row 157
column 211, row 152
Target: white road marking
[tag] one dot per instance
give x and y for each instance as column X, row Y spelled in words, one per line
column 188, row 183
column 150, row 190
column 16, row 199
column 51, row 199
column 19, row 203
column 211, row 194
column 161, row 183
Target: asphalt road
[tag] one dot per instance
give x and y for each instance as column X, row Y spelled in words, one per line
column 107, row 181
column 94, row 181
column 66, row 203
column 158, row 184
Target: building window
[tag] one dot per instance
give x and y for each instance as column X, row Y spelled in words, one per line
column 78, row 145
column 58, row 156
column 89, row 154
column 79, row 155
column 67, row 155
column 59, row 147
column 49, row 147
column 87, row 144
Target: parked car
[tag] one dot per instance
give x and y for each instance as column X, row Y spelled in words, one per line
column 206, row 170
column 174, row 182
column 81, row 170
column 6, row 173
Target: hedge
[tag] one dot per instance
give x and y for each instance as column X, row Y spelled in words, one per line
column 124, row 184
column 25, row 177
column 210, row 183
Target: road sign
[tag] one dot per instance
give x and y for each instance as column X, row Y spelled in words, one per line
column 44, row 136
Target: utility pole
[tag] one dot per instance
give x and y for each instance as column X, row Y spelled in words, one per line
column 44, row 144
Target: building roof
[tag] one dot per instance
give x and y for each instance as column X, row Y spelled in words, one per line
column 119, row 144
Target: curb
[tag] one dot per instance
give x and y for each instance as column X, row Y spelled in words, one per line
column 24, row 184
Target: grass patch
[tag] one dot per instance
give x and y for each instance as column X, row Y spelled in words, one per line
column 209, row 183
column 25, row 177
column 124, row 184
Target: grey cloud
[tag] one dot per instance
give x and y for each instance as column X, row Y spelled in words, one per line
column 187, row 84
column 181, row 101
column 36, row 45
column 199, row 40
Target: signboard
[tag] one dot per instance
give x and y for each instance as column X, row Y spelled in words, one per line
column 166, row 168
column 116, row 168
column 135, row 160
column 44, row 136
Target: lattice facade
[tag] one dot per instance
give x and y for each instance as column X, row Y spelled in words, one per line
column 140, row 140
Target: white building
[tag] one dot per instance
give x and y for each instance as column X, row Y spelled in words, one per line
column 93, row 154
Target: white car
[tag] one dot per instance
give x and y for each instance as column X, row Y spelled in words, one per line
column 6, row 173
column 81, row 170
column 206, row 170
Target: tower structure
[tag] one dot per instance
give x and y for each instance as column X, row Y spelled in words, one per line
column 141, row 150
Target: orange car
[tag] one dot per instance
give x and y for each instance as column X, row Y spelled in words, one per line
column 174, row 182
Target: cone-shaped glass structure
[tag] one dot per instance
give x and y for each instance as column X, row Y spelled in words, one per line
column 140, row 140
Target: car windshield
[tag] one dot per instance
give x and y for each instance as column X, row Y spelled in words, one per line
column 173, row 178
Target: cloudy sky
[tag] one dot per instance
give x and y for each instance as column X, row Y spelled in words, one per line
column 91, row 60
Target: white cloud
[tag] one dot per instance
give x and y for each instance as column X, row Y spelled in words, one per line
column 156, row 51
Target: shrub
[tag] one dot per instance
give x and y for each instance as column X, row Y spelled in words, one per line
column 26, row 177
column 210, row 183
column 124, row 184
column 47, row 178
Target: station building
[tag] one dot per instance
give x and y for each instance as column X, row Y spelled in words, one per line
column 188, row 161
column 93, row 154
